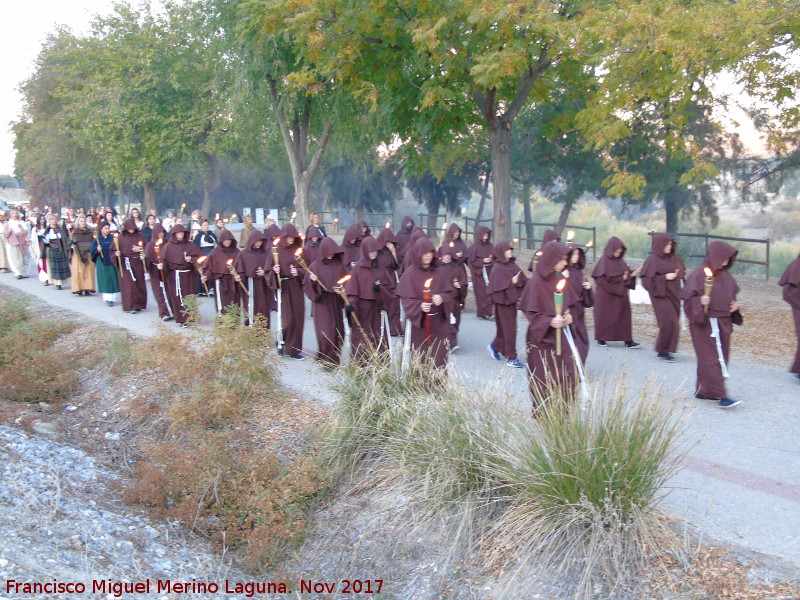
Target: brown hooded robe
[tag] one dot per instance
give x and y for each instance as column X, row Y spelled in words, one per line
column 389, row 264
column 220, row 279
column 790, row 281
column 328, row 305
column 583, row 299
column 252, row 265
column 547, row 369
column 480, row 270
column 505, row 294
column 612, row 306
column 364, row 293
column 293, row 305
column 710, row 382
column 179, row 273
column 132, row 285
column 457, row 275
column 665, row 294
column 157, row 277
column 434, row 347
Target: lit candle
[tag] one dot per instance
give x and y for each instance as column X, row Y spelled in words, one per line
column 559, row 300
column 536, row 258
column 158, row 256
column 294, row 214
column 275, row 258
column 116, row 246
column 709, row 283
column 217, row 217
column 335, row 225
column 388, row 224
column 589, row 244
column 343, row 294
column 301, row 261
column 200, row 261
column 444, row 231
column 233, row 272
column 570, row 236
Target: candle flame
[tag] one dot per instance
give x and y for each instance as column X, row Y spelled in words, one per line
column 444, row 227
column 452, row 244
column 294, row 214
column 560, row 285
column 708, row 272
column 201, row 259
column 159, row 242
column 229, row 262
column 589, row 244
column 539, row 253
column 388, row 224
column 570, row 235
column 343, row 279
column 515, row 240
column 298, row 252
column 276, row 241
column 336, row 220
column 428, row 282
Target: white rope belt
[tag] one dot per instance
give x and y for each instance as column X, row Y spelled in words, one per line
column 178, row 282
column 128, row 267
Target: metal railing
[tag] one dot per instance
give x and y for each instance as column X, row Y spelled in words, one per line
column 470, row 225
column 375, row 220
column 708, row 236
column 522, row 235
column 424, row 224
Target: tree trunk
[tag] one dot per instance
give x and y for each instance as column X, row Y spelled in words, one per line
column 564, row 216
column 149, row 197
column 500, row 142
column 526, row 205
column 212, row 184
column 672, row 215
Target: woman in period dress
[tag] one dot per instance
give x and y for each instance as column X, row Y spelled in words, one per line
column 103, row 255
column 56, row 252
column 83, row 270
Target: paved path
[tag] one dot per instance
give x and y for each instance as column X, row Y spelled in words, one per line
column 740, row 484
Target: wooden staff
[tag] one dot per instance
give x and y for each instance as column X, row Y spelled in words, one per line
column 301, row 261
column 199, row 265
column 559, row 300
column 709, row 283
column 116, row 246
column 426, row 297
column 343, row 294
column 235, row 274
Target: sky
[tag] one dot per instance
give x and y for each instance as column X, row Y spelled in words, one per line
column 26, row 25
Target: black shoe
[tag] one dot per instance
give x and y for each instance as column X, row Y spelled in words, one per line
column 297, row 356
column 666, row 356
column 109, row 303
column 632, row 344
column 58, row 287
column 704, row 397
column 602, row 343
column 280, row 351
column 184, row 325
column 19, row 276
column 728, row 403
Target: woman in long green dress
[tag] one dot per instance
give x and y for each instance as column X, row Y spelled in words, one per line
column 103, row 255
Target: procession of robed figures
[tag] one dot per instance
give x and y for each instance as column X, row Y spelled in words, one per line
column 371, row 288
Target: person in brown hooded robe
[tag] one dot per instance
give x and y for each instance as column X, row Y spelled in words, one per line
column 404, row 236
column 82, row 266
column 311, row 244
column 612, row 306
column 272, row 233
column 290, row 290
column 458, row 247
column 549, row 371
column 457, row 275
column 132, row 285
column 549, row 236
column 407, row 259
column 790, row 281
column 389, row 264
column 251, row 266
column 364, row 293
column 428, row 309
column 219, row 277
column 506, row 283
column 584, row 298
column 723, row 307
column 662, row 276
column 327, row 269
column 157, row 278
column 351, row 246
column 364, row 230
column 178, row 259
column 479, row 260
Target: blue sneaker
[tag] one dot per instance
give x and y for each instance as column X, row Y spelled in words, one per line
column 666, row 356
column 495, row 354
column 728, row 403
column 296, row 356
column 513, row 362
